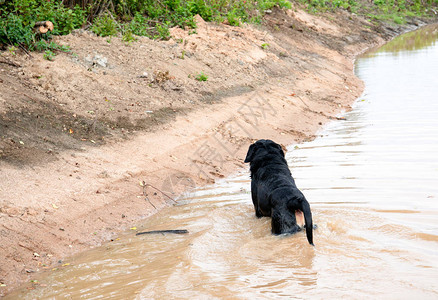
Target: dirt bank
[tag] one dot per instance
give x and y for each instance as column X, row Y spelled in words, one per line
column 79, row 134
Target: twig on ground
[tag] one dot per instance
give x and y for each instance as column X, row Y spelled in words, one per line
column 25, row 50
column 164, row 194
column 146, row 195
column 6, row 61
column 303, row 101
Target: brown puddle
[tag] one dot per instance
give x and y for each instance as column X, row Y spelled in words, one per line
column 372, row 184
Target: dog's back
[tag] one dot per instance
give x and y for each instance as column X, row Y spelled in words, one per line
column 273, row 189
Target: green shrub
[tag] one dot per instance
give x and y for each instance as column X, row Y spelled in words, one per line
column 154, row 18
column 104, row 26
column 17, row 18
column 324, row 5
column 233, row 18
column 139, row 25
column 131, row 17
column 387, row 10
column 13, row 31
column 43, row 45
column 398, row 19
column 67, row 20
column 128, row 36
column 163, row 31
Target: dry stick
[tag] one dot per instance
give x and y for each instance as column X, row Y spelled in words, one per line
column 22, row 47
column 147, row 184
column 95, row 10
column 147, row 198
column 8, row 62
column 25, row 50
column 303, row 101
column 117, row 23
column 31, row 98
column 26, row 247
column 106, row 6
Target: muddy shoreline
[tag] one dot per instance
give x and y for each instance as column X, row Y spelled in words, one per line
column 141, row 119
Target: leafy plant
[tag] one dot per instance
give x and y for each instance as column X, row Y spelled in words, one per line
column 201, row 77
column 13, row 31
column 66, row 19
column 49, row 55
column 163, row 32
column 128, row 36
column 233, row 18
column 104, row 26
column 12, row 50
column 43, row 45
column 17, row 18
column 139, row 25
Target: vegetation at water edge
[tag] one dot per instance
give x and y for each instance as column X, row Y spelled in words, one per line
column 131, row 18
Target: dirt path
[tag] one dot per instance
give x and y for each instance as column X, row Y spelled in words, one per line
column 79, row 134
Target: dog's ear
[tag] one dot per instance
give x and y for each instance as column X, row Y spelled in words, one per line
column 250, row 154
column 283, row 147
column 280, row 147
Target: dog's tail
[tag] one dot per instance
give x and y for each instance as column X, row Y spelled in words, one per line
column 308, row 220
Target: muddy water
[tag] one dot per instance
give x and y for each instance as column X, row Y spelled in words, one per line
column 372, row 182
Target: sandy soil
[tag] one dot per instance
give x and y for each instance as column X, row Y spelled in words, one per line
column 79, row 134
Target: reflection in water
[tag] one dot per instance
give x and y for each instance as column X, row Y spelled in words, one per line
column 411, row 41
column 371, row 181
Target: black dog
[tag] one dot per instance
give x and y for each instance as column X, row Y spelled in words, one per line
column 273, row 189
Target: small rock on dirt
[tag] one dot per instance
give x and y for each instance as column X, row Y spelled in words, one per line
column 97, row 60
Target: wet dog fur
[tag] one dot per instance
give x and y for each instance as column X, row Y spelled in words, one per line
column 273, row 190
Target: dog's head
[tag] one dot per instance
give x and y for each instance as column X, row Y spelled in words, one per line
column 262, row 148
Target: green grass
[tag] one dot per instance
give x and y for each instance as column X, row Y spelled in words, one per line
column 130, row 18
column 315, row 6
column 49, row 55
column 201, row 77
column 393, row 11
